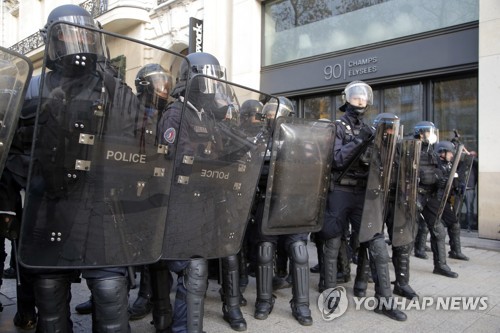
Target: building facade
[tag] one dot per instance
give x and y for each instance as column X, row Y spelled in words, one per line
column 426, row 60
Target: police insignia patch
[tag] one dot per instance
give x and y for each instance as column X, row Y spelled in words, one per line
column 169, row 135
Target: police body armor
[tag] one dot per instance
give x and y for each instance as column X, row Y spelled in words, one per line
column 98, row 185
column 379, row 177
column 299, row 176
column 15, row 74
column 405, row 206
column 355, row 174
column 427, row 173
column 216, row 170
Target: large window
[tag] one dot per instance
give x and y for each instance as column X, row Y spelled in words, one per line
column 455, row 108
column 318, row 107
column 407, row 103
column 295, row 29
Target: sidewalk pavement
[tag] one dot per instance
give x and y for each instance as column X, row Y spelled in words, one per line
column 478, row 277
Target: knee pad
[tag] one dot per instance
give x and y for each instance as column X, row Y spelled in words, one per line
column 299, row 254
column 378, row 250
column 110, row 301
column 230, row 263
column 265, row 253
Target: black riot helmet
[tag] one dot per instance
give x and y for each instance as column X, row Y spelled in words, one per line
column 390, row 123
column 250, row 108
column 275, row 108
column 386, row 118
column 199, row 63
column 426, row 131
column 72, row 48
column 282, row 107
column 444, row 147
column 446, row 150
column 154, row 83
column 358, row 96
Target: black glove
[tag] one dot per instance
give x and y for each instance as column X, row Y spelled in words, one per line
column 366, row 133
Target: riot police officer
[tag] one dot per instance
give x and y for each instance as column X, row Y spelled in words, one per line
column 77, row 92
column 345, row 202
column 295, row 245
column 425, row 131
column 250, row 111
column 153, row 85
column 400, row 253
column 431, row 180
column 446, row 150
column 201, row 137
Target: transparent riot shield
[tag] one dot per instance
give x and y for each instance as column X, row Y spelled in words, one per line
column 299, row 176
column 98, row 186
column 15, row 74
column 405, row 206
column 379, row 178
column 443, row 195
column 464, row 170
column 216, row 170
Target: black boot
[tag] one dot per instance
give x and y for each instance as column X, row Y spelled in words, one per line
column 362, row 272
column 142, row 305
column 314, row 269
column 300, row 286
column 161, row 284
column 389, row 310
column 10, row 273
column 243, row 269
column 25, row 321
column 439, row 252
column 230, row 294
column 85, row 307
column 401, row 261
column 331, row 249
column 421, row 239
column 264, row 276
column 455, row 247
column 26, row 316
column 343, row 264
column 379, row 259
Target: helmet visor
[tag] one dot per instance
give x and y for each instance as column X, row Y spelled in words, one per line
column 160, row 83
column 210, row 70
column 430, row 135
column 68, row 39
column 205, row 84
column 359, row 94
